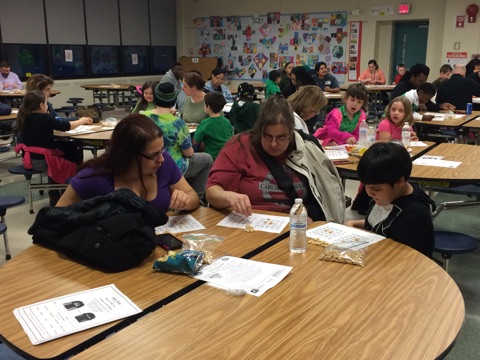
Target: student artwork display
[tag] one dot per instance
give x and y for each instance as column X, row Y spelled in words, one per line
column 252, row 46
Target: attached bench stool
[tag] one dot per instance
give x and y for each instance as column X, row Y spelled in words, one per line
column 6, row 202
column 448, row 243
column 20, row 170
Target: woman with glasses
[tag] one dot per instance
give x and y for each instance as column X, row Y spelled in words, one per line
column 135, row 160
column 215, row 83
column 269, row 166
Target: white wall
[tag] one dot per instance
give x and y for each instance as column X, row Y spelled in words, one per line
column 377, row 30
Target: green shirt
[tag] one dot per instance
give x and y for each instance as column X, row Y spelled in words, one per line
column 348, row 125
column 271, row 88
column 214, row 132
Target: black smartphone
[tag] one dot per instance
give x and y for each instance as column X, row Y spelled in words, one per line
column 169, row 242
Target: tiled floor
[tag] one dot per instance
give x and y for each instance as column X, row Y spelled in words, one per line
column 464, row 269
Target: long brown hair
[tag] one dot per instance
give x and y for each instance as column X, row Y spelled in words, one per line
column 129, row 139
column 31, row 103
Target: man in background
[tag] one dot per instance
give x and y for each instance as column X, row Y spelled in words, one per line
column 458, row 90
column 9, row 80
column 324, row 79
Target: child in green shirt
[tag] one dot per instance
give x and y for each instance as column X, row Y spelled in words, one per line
column 216, row 130
column 271, row 86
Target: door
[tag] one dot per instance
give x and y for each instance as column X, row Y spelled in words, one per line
column 410, row 44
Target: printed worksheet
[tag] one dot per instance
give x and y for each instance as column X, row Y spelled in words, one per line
column 233, row 273
column 343, row 236
column 442, row 116
column 179, row 224
column 256, row 222
column 428, row 160
column 54, row 318
column 417, row 144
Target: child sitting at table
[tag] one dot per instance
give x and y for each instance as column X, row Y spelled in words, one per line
column 342, row 124
column 146, row 100
column 400, row 72
column 216, row 130
column 400, row 211
column 419, row 97
column 35, row 129
column 271, row 86
column 397, row 113
column 244, row 111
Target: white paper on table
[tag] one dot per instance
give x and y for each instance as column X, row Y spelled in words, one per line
column 178, row 224
column 82, row 129
column 337, row 154
column 14, row 111
column 258, row 222
column 54, row 318
column 436, row 161
column 344, row 236
column 227, row 108
column 442, row 116
column 418, row 143
column 235, row 273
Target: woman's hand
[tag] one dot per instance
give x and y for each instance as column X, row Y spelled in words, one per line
column 178, row 200
column 239, row 203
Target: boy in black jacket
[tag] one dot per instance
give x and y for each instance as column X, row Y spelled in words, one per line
column 399, row 210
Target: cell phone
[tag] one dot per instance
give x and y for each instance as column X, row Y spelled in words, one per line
column 169, row 242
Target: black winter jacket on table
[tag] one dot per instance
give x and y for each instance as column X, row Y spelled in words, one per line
column 114, row 231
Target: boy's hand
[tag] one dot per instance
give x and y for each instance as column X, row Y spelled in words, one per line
column 427, row 117
column 447, row 106
column 422, row 108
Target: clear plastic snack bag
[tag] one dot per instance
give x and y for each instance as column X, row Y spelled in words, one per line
column 346, row 255
column 205, row 243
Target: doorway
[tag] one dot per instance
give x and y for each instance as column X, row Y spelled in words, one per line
column 409, row 44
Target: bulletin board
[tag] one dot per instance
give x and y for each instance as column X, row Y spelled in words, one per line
column 252, row 46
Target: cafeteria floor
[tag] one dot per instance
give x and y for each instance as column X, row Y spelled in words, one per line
column 464, row 269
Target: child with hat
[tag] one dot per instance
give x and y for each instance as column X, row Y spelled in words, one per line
column 194, row 166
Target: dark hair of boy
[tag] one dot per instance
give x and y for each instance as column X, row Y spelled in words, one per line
column 274, row 75
column 317, row 65
column 215, row 100
column 445, row 68
column 384, row 163
column 427, row 88
column 401, row 65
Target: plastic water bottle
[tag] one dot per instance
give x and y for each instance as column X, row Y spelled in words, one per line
column 370, row 136
column 362, row 134
column 298, row 227
column 406, row 135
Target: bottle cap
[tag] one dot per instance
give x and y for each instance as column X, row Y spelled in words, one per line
column 298, row 201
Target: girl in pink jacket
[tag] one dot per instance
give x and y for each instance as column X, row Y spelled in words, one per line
column 341, row 124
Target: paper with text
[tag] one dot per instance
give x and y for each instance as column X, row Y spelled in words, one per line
column 343, row 236
column 436, row 161
column 54, row 318
column 178, row 224
column 256, row 222
column 234, row 273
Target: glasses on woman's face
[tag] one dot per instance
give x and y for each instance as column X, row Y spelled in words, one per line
column 154, row 156
column 278, row 139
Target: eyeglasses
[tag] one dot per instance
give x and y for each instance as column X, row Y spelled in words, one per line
column 277, row 139
column 154, row 156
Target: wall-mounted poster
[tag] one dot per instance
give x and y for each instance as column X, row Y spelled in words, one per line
column 251, row 46
column 354, row 50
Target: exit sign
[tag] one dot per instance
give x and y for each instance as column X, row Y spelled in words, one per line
column 404, row 8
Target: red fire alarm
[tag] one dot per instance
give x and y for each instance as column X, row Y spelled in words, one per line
column 404, row 9
column 472, row 11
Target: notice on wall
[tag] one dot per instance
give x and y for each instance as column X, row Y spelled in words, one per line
column 456, row 57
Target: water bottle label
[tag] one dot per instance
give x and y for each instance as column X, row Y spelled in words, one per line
column 295, row 225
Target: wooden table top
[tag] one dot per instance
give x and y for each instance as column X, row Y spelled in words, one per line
column 21, row 93
column 401, row 305
column 467, row 172
column 416, row 152
column 10, row 117
column 38, row 274
column 452, row 123
column 111, row 87
column 372, row 87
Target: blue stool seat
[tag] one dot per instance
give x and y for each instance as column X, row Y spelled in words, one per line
column 448, row 243
column 6, row 202
column 28, row 173
column 4, row 149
